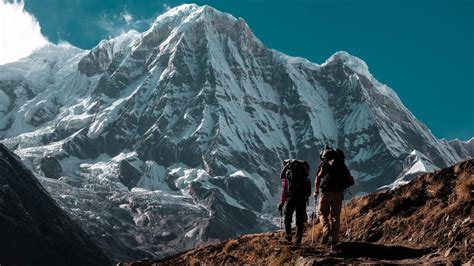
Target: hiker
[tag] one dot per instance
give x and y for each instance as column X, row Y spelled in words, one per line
column 296, row 189
column 333, row 177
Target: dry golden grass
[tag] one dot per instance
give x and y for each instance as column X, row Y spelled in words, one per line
column 435, row 189
column 230, row 245
column 194, row 262
column 284, row 256
column 254, row 241
column 315, row 231
column 465, row 187
column 360, row 204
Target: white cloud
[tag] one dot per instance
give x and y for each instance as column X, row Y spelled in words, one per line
column 115, row 24
column 20, row 32
column 127, row 17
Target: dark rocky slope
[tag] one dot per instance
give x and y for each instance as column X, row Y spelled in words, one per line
column 33, row 229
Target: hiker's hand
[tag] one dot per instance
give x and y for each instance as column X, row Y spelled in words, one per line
column 280, row 206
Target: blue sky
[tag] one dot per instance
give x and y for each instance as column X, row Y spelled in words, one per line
column 422, row 49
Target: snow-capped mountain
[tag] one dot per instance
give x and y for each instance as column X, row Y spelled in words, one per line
column 165, row 139
column 415, row 164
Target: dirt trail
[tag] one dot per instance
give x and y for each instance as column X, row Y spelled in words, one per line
column 268, row 249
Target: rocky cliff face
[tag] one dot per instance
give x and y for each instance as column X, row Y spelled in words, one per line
column 463, row 148
column 187, row 118
column 34, row 229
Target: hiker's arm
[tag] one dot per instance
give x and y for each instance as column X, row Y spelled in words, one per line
column 284, row 185
column 321, row 173
column 316, row 185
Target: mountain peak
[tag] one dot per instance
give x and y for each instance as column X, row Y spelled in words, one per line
column 191, row 19
column 356, row 64
column 190, row 12
column 182, row 10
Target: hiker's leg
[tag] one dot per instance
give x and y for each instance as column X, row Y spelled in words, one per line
column 336, row 205
column 324, row 206
column 289, row 209
column 300, row 217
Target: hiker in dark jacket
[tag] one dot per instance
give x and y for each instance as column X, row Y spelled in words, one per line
column 333, row 177
column 296, row 189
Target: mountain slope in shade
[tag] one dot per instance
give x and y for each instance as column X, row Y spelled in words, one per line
column 34, row 229
column 428, row 220
column 193, row 118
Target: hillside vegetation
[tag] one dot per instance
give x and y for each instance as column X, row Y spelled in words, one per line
column 429, row 220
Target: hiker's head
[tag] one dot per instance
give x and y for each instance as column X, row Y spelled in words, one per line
column 327, row 153
column 330, row 154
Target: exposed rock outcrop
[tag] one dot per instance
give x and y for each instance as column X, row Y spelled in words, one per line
column 51, row 167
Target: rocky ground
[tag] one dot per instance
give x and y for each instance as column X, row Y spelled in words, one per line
column 429, row 220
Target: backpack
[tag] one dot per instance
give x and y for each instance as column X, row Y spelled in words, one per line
column 339, row 177
column 296, row 174
column 329, row 154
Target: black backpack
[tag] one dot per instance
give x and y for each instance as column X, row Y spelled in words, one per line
column 329, row 154
column 339, row 177
column 296, row 173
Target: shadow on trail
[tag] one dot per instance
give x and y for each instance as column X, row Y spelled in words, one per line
column 377, row 251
